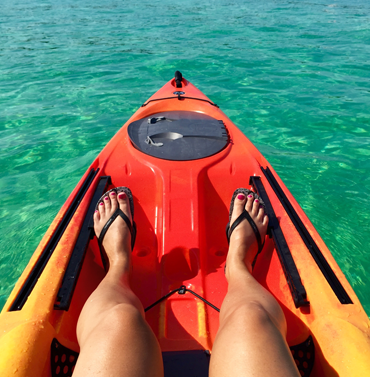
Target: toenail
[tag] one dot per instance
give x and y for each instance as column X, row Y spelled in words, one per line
column 241, row 196
column 96, row 211
column 256, row 200
column 113, row 193
column 122, row 195
column 101, row 203
column 250, row 196
column 106, row 198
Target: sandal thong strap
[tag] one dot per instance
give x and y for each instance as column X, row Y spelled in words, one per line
column 241, row 217
column 132, row 228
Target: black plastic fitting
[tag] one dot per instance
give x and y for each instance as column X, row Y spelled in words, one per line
column 178, row 79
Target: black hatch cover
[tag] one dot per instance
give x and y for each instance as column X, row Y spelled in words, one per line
column 178, row 135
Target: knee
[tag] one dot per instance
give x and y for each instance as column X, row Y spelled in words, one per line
column 127, row 322
column 122, row 316
column 117, row 319
column 248, row 313
column 253, row 316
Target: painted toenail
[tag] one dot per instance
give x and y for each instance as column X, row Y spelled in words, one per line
column 96, row 211
column 113, row 193
column 122, row 195
column 250, row 196
column 241, row 196
column 106, row 198
column 101, row 204
column 256, row 200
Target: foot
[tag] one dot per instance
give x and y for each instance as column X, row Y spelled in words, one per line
column 117, row 240
column 243, row 243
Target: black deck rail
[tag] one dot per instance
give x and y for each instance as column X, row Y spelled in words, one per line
column 293, row 278
column 39, row 266
column 74, row 267
column 316, row 253
column 180, row 97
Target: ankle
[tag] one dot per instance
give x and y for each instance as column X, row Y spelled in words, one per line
column 237, row 269
column 239, row 252
column 119, row 261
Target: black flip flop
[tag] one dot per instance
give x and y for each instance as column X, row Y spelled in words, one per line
column 117, row 212
column 242, row 216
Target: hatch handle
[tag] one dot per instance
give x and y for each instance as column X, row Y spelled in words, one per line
column 149, row 141
column 170, row 135
column 158, row 119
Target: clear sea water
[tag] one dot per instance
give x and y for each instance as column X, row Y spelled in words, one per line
column 294, row 75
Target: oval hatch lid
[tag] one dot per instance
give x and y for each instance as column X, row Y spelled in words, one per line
column 178, row 135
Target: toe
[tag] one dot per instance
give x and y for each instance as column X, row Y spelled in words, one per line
column 107, row 203
column 96, row 216
column 239, row 203
column 249, row 203
column 113, row 201
column 123, row 203
column 255, row 208
column 101, row 208
column 261, row 214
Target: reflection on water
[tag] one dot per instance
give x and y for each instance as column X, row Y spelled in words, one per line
column 293, row 75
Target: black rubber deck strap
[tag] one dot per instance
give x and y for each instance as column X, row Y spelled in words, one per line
column 73, row 270
column 169, row 294
column 181, row 291
column 39, row 266
column 179, row 97
column 293, row 278
column 316, row 253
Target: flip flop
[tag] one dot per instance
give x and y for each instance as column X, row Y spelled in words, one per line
column 117, row 212
column 242, row 216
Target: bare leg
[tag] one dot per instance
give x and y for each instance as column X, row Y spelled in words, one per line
column 114, row 338
column 251, row 338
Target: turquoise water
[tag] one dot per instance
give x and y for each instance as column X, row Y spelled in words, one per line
column 294, row 75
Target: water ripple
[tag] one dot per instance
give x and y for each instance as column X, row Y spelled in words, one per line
column 294, row 75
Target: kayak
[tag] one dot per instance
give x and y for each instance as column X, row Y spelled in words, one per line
column 182, row 158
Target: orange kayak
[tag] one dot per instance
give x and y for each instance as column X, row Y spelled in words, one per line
column 182, row 158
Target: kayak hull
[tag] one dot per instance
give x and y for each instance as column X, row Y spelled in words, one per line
column 181, row 209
